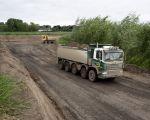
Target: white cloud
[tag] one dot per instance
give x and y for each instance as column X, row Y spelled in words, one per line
column 67, row 11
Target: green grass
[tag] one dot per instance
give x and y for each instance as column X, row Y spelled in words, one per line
column 9, row 104
column 34, row 33
column 65, row 39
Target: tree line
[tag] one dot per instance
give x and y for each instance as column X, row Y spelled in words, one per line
column 17, row 25
column 129, row 34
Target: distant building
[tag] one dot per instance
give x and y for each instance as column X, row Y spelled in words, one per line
column 45, row 28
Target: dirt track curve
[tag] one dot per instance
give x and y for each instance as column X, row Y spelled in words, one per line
column 125, row 98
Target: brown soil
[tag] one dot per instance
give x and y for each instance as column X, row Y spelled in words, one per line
column 20, row 38
column 136, row 69
column 75, row 44
column 12, row 66
column 41, row 107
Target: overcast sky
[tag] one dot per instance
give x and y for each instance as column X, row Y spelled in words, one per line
column 65, row 12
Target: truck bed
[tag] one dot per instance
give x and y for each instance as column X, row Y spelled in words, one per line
column 72, row 54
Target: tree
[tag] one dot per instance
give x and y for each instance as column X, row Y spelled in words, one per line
column 14, row 25
column 92, row 30
column 56, row 28
column 128, row 31
column 33, row 27
column 3, row 27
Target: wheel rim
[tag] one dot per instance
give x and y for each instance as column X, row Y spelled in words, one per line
column 92, row 75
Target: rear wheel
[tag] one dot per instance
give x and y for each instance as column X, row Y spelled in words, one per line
column 67, row 67
column 83, row 72
column 92, row 75
column 74, row 69
column 60, row 64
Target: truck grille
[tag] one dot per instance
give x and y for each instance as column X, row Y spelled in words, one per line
column 114, row 66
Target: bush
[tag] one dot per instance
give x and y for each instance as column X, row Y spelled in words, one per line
column 92, row 30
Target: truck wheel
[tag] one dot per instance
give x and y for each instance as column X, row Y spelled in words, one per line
column 112, row 79
column 83, row 72
column 92, row 75
column 60, row 65
column 47, row 41
column 74, row 69
column 67, row 67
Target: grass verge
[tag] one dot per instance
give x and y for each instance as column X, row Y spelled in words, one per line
column 10, row 103
column 64, row 40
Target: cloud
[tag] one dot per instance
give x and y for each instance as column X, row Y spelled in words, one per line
column 67, row 11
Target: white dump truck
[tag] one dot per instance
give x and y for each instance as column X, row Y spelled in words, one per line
column 96, row 61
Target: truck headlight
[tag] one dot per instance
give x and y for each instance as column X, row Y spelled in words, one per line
column 104, row 73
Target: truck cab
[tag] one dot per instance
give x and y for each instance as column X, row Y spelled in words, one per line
column 107, row 60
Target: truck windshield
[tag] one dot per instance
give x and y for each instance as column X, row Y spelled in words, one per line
column 110, row 56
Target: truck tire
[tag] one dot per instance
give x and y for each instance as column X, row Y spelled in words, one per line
column 83, row 72
column 67, row 67
column 74, row 69
column 92, row 75
column 112, row 79
column 60, row 65
column 44, row 42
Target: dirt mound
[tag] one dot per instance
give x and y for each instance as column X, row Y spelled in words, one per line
column 24, row 37
column 42, row 108
column 12, row 66
column 19, row 37
column 135, row 69
column 75, row 44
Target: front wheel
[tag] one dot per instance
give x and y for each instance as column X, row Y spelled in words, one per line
column 112, row 79
column 92, row 75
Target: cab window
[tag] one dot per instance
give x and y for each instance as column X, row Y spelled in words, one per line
column 99, row 55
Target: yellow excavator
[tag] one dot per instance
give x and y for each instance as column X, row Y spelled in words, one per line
column 46, row 40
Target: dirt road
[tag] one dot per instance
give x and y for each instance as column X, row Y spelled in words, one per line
column 125, row 98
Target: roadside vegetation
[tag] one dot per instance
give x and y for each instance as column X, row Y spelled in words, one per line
column 129, row 34
column 65, row 39
column 10, row 101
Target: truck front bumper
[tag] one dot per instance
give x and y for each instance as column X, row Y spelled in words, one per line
column 110, row 74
